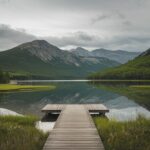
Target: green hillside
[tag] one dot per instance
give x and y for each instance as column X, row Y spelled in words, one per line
column 138, row 68
column 22, row 63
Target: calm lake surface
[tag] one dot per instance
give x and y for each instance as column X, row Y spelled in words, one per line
column 121, row 107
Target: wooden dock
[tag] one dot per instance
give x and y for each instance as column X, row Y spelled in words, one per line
column 74, row 128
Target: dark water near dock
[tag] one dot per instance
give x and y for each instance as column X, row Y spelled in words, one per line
column 121, row 106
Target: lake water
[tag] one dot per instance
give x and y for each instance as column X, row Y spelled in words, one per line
column 74, row 92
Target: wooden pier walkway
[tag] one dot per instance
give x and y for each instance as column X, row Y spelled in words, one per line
column 74, row 128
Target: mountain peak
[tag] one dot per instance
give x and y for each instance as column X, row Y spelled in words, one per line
column 35, row 44
column 39, row 42
column 80, row 48
column 79, row 51
column 42, row 49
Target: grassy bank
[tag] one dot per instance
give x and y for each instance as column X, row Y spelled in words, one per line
column 19, row 133
column 140, row 86
column 10, row 87
column 131, row 135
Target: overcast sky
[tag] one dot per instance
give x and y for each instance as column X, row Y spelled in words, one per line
column 110, row 24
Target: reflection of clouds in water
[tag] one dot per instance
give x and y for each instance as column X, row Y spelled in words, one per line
column 68, row 92
column 120, row 102
column 89, row 99
column 128, row 113
column 122, row 108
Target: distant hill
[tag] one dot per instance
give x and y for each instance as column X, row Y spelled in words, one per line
column 120, row 56
column 39, row 59
column 138, row 68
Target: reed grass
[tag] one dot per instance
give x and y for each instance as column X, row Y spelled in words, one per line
column 128, row 135
column 19, row 133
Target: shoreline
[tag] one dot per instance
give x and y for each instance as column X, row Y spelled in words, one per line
column 78, row 80
column 16, row 87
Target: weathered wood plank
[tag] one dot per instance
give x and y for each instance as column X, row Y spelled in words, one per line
column 74, row 128
column 90, row 107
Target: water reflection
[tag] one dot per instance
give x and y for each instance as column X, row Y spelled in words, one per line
column 122, row 108
column 72, row 92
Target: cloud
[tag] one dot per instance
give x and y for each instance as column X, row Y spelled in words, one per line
column 112, row 24
column 99, row 18
column 108, row 16
column 73, row 39
column 10, row 37
column 4, row 1
column 82, row 39
column 127, row 23
column 130, row 42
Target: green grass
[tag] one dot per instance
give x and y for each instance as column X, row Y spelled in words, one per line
column 19, row 133
column 10, row 87
column 129, row 135
column 140, row 86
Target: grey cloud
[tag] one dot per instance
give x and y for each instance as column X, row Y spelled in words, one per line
column 112, row 24
column 126, row 42
column 11, row 37
column 73, row 39
column 93, row 4
column 121, row 15
column 127, row 23
column 100, row 18
column 110, row 15
column 4, row 1
column 78, row 5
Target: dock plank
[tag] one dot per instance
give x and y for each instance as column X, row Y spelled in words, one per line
column 74, row 128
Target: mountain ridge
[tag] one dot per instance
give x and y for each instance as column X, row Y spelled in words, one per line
column 120, row 56
column 39, row 58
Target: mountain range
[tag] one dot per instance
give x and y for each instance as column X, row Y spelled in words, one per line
column 120, row 56
column 138, row 68
column 41, row 60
